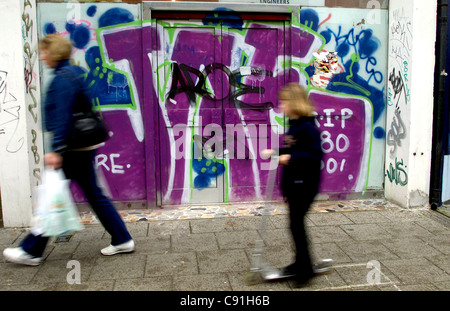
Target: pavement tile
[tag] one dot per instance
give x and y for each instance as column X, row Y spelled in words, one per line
column 171, row 264
column 100, row 285
column 251, row 223
column 201, row 282
column 405, row 229
column 329, row 219
column 194, row 242
column 13, row 274
column 137, row 229
column 364, row 251
column 35, row 286
column 89, row 249
column 329, row 250
column 418, row 287
column 440, row 242
column 326, row 234
column 322, row 282
column 360, row 274
column 367, row 217
column 10, row 236
column 90, row 233
column 152, row 245
column 223, row 261
column 410, row 247
column 363, row 232
column 121, row 266
column 237, row 239
column 56, row 271
column 212, row 225
column 160, row 283
column 276, row 237
column 416, row 271
column 281, row 221
column 443, row 286
column 400, row 215
column 442, row 261
column 168, row 227
column 62, row 251
column 433, row 226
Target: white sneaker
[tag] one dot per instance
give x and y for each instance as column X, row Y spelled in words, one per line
column 18, row 255
column 126, row 247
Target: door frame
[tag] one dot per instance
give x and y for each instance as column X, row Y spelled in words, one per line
column 149, row 7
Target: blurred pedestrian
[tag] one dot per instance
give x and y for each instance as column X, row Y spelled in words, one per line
column 78, row 164
column 300, row 157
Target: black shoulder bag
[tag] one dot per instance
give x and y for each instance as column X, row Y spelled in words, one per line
column 88, row 129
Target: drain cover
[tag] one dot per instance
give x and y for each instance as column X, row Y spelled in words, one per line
column 63, row 238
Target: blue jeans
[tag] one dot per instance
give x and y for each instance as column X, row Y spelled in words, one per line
column 79, row 167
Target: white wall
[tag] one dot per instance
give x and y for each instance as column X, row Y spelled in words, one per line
column 411, row 62
column 20, row 117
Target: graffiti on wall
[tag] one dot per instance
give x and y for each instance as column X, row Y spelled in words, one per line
column 9, row 116
column 110, row 76
column 32, row 92
column 232, row 80
column 400, row 49
column 342, row 64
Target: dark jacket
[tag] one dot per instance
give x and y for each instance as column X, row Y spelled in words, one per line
column 302, row 142
column 60, row 99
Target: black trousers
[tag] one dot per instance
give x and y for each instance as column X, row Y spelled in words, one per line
column 299, row 198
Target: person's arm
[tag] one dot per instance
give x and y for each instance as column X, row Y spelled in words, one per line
column 58, row 111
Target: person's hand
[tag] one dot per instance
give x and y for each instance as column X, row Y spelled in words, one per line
column 284, row 159
column 267, row 153
column 53, row 160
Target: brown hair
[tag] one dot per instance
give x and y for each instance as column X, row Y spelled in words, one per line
column 297, row 99
column 58, row 47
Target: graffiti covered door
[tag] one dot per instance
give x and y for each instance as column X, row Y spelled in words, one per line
column 217, row 86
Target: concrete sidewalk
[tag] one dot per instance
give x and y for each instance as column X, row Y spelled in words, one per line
column 411, row 246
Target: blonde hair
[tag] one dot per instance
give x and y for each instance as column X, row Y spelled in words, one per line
column 297, row 99
column 59, row 48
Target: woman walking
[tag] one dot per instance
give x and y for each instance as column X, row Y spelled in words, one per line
column 78, row 165
column 300, row 157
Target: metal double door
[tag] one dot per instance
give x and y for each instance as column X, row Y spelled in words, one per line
column 217, row 82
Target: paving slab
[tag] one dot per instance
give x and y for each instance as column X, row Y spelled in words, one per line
column 329, row 250
column 162, row 283
column 201, row 282
column 416, row 271
column 223, row 261
column 171, row 264
column 211, row 225
column 329, row 219
column 122, row 266
column 367, row 217
column 237, row 239
column 194, row 242
column 410, row 247
column 364, row 232
column 364, row 251
column 324, row 234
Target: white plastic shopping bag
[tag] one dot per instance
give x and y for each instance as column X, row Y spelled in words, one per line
column 54, row 212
